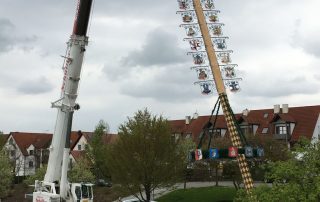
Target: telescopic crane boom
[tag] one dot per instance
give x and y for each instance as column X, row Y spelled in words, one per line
column 55, row 186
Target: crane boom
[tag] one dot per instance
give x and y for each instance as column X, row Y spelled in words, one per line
column 66, row 105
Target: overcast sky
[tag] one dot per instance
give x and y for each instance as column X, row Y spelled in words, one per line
column 137, row 59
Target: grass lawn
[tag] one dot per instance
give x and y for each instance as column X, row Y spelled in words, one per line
column 206, row 194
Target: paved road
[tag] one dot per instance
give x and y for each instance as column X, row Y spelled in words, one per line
column 159, row 192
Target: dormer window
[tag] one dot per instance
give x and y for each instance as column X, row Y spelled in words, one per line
column 265, row 130
column 216, row 133
column 31, row 152
column 281, row 129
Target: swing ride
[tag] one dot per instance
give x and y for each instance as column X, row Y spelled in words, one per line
column 215, row 72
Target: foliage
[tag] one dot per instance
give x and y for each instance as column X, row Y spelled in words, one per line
column 2, row 140
column 6, row 176
column 206, row 194
column 272, row 147
column 97, row 151
column 81, row 172
column 297, row 179
column 185, row 146
column 39, row 175
column 145, row 156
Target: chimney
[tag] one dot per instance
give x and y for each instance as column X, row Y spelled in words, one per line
column 188, row 119
column 195, row 115
column 276, row 109
column 285, row 108
column 245, row 112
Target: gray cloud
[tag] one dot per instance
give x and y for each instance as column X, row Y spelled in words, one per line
column 136, row 8
column 309, row 41
column 160, row 49
column 277, row 86
column 6, row 40
column 168, row 84
column 37, row 86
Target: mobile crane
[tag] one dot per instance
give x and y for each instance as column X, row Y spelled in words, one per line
column 55, row 186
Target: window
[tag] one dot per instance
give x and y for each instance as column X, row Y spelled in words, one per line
column 11, row 141
column 188, row 136
column 31, row 152
column 176, row 137
column 78, row 192
column 265, row 115
column 79, row 147
column 281, row 129
column 215, row 133
column 12, row 153
column 30, row 164
column 245, row 130
column 265, row 130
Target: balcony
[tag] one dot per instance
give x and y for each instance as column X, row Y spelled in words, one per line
column 281, row 136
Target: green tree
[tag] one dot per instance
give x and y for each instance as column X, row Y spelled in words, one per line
column 97, row 151
column 6, row 175
column 2, row 140
column 39, row 175
column 81, row 172
column 185, row 146
column 145, row 156
column 297, row 179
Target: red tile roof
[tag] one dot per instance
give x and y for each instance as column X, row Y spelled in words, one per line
column 305, row 119
column 77, row 154
column 38, row 140
column 107, row 138
column 110, row 138
column 195, row 126
column 74, row 138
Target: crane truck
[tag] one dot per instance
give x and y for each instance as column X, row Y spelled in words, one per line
column 55, row 186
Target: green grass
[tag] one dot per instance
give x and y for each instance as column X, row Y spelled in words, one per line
column 206, row 194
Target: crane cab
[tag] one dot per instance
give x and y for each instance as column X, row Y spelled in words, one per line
column 82, row 192
column 49, row 192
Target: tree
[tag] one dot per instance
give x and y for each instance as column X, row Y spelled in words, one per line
column 145, row 156
column 97, row 151
column 6, row 176
column 2, row 140
column 81, row 172
column 185, row 146
column 39, row 175
column 297, row 179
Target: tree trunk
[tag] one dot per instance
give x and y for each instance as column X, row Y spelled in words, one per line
column 147, row 190
column 217, row 180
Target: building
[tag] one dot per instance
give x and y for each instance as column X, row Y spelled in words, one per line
column 78, row 151
column 29, row 151
column 281, row 123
